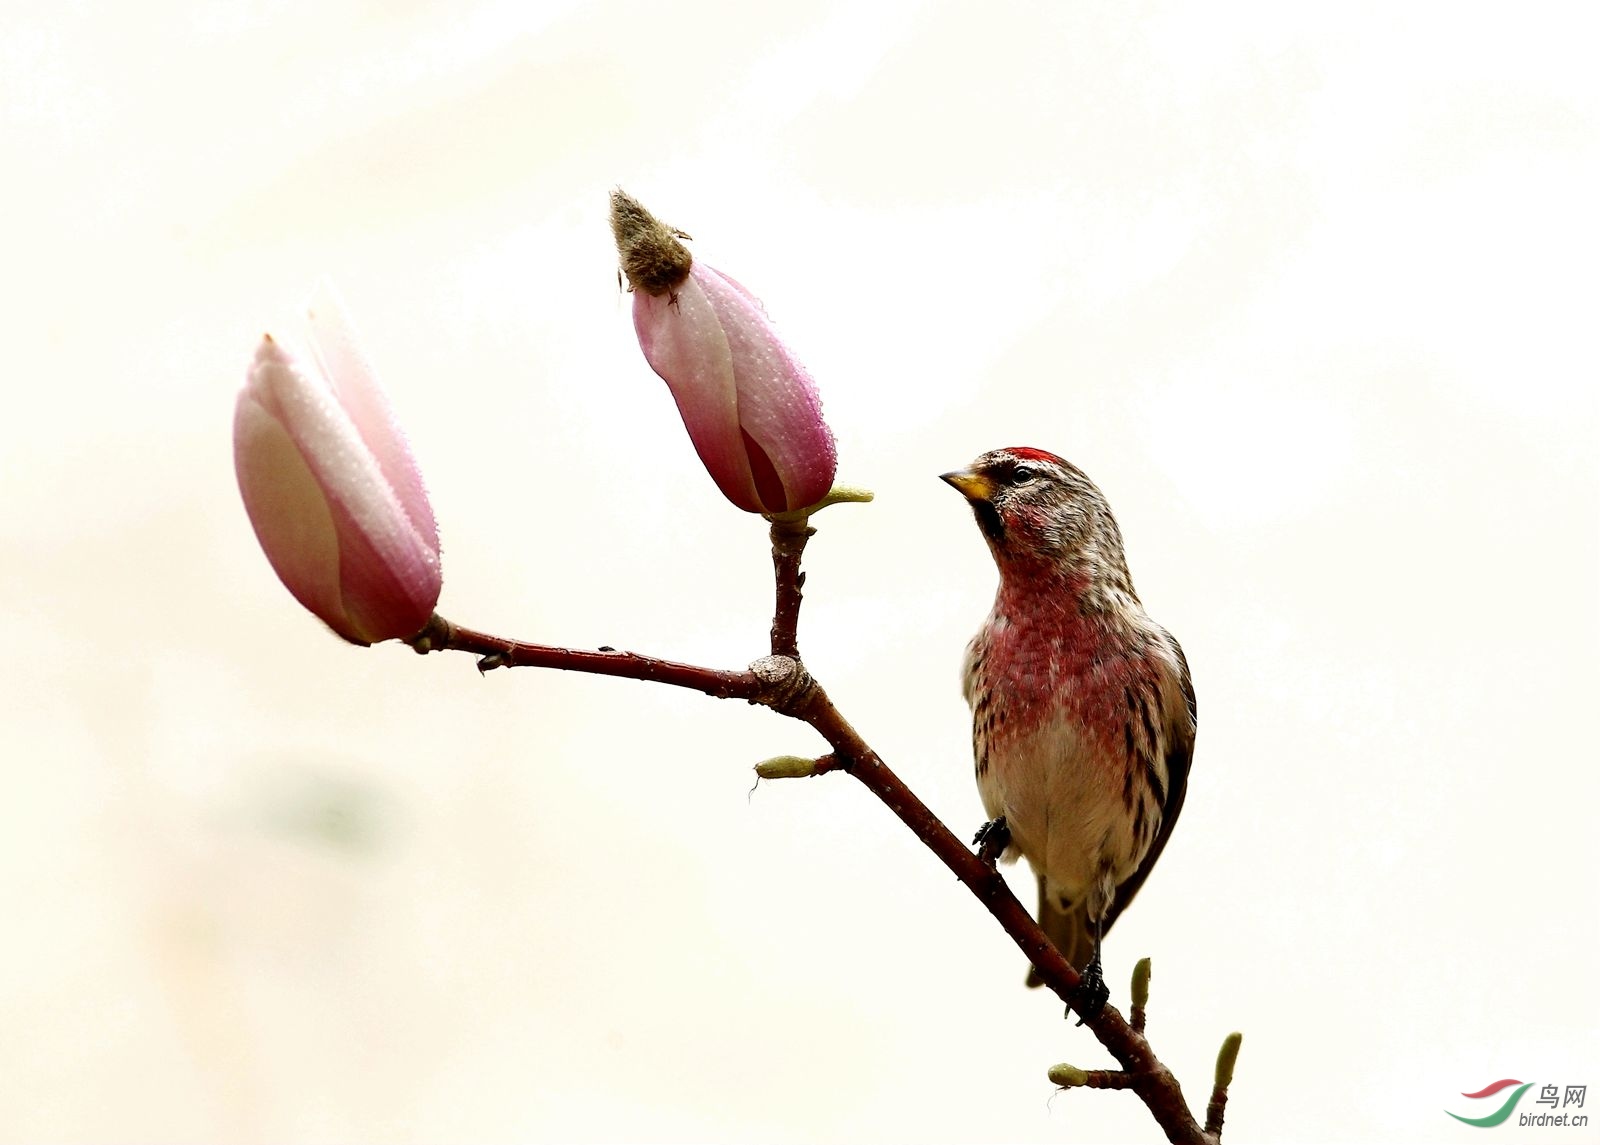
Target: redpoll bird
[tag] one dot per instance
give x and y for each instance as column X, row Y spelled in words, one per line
column 1083, row 716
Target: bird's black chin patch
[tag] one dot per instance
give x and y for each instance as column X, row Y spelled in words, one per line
column 989, row 520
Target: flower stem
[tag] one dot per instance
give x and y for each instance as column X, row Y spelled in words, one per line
column 788, row 546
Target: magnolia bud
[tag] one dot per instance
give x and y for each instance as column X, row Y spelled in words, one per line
column 751, row 408
column 1068, row 1075
column 331, row 487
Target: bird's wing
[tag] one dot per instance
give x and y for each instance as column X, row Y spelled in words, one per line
column 1180, row 751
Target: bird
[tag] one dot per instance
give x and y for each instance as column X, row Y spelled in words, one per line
column 1083, row 712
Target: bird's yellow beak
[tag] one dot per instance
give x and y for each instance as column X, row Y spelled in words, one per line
column 972, row 486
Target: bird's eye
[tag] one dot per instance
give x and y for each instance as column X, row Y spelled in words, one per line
column 1023, row 474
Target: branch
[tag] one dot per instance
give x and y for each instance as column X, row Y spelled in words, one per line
column 1154, row 1083
column 1226, row 1057
column 498, row 652
column 795, row 767
column 780, row 681
column 1139, row 996
column 1070, row 1076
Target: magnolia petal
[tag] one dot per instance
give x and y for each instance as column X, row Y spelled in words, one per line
column 384, row 563
column 778, row 404
column 289, row 513
column 354, row 387
column 682, row 338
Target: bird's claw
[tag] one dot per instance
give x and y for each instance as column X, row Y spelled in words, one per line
column 992, row 839
column 1090, row 995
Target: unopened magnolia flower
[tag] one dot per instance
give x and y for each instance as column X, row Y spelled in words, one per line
column 751, row 409
column 331, row 487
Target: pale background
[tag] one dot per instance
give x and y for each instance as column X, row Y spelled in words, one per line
column 1311, row 296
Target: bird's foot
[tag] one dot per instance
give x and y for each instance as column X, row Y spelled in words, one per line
column 1091, row 994
column 992, row 840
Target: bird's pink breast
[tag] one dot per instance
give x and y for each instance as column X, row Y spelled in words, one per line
column 1041, row 666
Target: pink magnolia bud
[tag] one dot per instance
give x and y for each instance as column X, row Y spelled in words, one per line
column 331, row 487
column 751, row 408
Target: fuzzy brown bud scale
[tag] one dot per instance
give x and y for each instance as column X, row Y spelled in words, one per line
column 652, row 258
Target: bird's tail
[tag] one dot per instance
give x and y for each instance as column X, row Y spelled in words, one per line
column 1068, row 928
